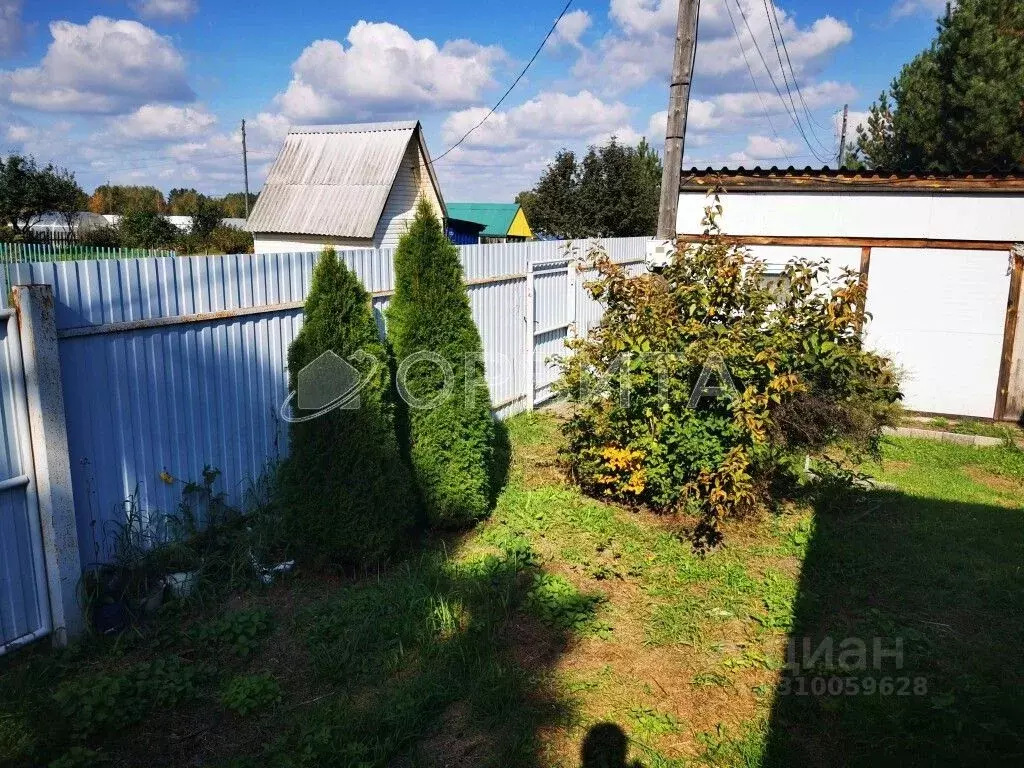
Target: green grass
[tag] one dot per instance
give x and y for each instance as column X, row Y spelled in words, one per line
column 560, row 617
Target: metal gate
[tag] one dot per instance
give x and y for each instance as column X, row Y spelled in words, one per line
column 24, row 605
column 551, row 299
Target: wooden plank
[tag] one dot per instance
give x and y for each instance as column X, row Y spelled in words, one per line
column 1009, row 333
column 854, row 242
column 865, row 268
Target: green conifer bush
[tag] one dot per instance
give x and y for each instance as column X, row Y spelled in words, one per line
column 452, row 437
column 348, row 497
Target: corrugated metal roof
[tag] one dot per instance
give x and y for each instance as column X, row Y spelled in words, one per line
column 496, row 217
column 816, row 179
column 332, row 180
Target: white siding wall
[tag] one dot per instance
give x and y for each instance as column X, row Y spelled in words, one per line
column 412, row 181
column 938, row 313
column 936, row 216
column 284, row 243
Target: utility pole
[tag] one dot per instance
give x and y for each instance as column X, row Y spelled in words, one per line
column 245, row 166
column 678, row 102
column 842, row 136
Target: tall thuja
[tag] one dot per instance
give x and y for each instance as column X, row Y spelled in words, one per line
column 441, row 375
column 348, row 497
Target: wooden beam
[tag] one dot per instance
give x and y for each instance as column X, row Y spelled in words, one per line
column 865, row 268
column 855, row 242
column 1009, row 332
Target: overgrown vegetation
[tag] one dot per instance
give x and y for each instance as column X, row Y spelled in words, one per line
column 452, row 433
column 347, row 494
column 654, row 421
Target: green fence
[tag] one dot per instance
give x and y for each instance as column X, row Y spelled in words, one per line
column 20, row 253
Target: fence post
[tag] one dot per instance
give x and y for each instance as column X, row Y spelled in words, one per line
column 531, row 337
column 48, row 427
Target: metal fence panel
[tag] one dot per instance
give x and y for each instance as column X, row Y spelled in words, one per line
column 174, row 364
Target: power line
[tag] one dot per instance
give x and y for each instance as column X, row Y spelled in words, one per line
column 793, row 117
column 511, row 87
column 792, row 72
column 753, row 80
column 782, row 69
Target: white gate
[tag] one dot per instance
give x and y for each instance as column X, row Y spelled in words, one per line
column 551, row 307
column 24, row 605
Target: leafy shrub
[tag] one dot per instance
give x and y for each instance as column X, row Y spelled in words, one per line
column 146, row 229
column 346, row 493
column 106, row 703
column 239, row 632
column 225, row 239
column 452, row 436
column 251, row 693
column 104, row 236
column 803, row 380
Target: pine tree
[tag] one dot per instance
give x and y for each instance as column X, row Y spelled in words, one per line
column 959, row 105
column 451, row 438
column 348, row 497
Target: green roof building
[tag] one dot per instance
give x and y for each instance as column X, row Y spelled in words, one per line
column 502, row 222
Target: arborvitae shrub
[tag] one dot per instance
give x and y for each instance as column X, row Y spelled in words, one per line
column 452, row 442
column 348, row 497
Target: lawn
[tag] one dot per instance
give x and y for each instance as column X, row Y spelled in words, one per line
column 564, row 630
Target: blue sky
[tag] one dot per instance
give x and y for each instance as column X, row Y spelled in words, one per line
column 153, row 91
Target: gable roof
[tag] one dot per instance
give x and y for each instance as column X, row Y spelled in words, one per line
column 496, row 217
column 334, row 180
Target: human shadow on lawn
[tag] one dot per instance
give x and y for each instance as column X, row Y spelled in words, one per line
column 943, row 580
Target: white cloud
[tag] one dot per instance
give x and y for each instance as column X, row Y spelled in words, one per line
column 571, row 28
column 105, row 66
column 639, row 48
column 557, row 117
column 904, row 8
column 384, row 72
column 11, row 28
column 166, row 10
column 163, row 122
column 765, row 148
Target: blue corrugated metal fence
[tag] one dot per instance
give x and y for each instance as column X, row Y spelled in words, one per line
column 173, row 364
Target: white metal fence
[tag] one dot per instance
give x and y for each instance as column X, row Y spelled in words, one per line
column 173, row 364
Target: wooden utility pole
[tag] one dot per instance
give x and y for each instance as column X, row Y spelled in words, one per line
column 678, row 102
column 842, row 136
column 245, row 167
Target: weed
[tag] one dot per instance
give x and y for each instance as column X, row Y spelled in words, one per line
column 559, row 604
column 239, row 632
column 652, row 722
column 247, row 694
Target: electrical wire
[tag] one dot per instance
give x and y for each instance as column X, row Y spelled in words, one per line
column 753, row 80
column 792, row 75
column 785, row 48
column 511, row 87
column 793, row 117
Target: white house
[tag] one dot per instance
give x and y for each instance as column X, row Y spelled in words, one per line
column 941, row 256
column 349, row 186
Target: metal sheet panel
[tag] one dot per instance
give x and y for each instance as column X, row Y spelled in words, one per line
column 148, row 403
column 332, row 180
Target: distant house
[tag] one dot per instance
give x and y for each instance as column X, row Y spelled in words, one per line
column 349, row 186
column 502, row 222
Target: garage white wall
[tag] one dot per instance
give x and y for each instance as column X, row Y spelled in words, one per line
column 938, row 216
column 940, row 314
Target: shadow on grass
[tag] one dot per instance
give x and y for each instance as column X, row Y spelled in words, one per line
column 922, row 602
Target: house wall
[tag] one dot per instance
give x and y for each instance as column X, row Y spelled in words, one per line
column 939, row 313
column 289, row 243
column 411, row 182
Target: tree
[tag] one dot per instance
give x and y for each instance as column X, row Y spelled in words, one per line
column 959, row 105
column 347, row 495
column 181, row 201
column 146, row 229
column 613, row 192
column 28, row 192
column 233, row 204
column 119, row 199
column 206, row 216
column 441, row 375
